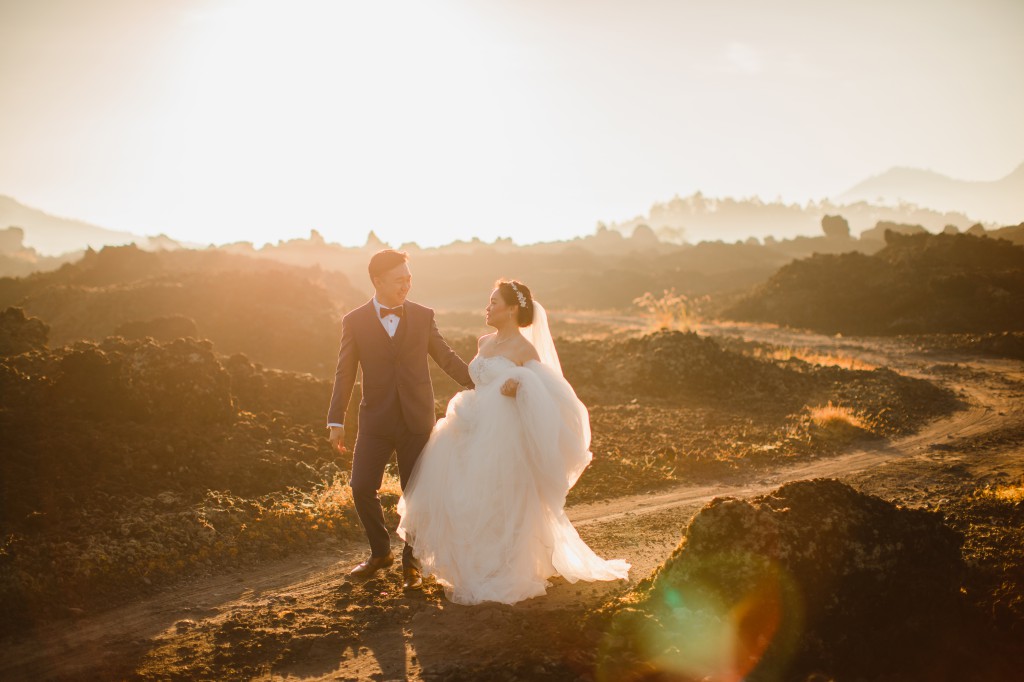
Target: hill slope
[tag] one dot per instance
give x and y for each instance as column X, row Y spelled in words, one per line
column 917, row 284
column 52, row 236
column 283, row 316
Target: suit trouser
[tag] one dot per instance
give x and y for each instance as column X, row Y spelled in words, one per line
column 369, row 458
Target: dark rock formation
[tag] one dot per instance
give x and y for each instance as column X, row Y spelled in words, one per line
column 921, row 283
column 165, row 328
column 142, row 381
column 301, row 397
column 677, row 367
column 884, row 228
column 12, row 240
column 19, row 333
column 128, row 463
column 812, row 577
column 835, row 227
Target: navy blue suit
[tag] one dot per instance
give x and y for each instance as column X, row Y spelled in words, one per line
column 396, row 413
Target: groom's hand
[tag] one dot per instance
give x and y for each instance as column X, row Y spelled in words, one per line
column 338, row 438
column 510, row 388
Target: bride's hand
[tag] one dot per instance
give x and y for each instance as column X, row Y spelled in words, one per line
column 510, row 388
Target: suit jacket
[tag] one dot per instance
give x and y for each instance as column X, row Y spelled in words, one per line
column 396, row 378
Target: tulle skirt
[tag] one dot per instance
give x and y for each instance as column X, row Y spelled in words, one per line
column 484, row 507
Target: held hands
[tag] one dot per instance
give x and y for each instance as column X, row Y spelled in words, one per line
column 510, row 388
column 338, row 438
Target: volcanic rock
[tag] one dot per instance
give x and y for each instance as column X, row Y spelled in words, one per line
column 919, row 283
column 19, row 333
column 814, row 576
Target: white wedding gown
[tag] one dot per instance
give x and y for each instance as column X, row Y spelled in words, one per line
column 484, row 508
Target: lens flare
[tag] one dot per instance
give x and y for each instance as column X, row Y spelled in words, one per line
column 717, row 618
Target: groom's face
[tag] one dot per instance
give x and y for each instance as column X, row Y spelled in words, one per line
column 393, row 286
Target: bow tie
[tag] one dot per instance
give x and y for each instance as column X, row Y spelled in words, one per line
column 384, row 312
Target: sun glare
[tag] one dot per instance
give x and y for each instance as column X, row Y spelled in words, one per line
column 344, row 104
column 224, row 120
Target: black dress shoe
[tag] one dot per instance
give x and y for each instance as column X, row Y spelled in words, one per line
column 411, row 578
column 372, row 565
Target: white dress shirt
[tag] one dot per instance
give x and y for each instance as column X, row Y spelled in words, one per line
column 389, row 321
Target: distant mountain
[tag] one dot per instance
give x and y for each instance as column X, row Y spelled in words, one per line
column 53, row 236
column 999, row 201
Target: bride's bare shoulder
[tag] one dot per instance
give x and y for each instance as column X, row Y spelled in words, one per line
column 525, row 352
column 484, row 339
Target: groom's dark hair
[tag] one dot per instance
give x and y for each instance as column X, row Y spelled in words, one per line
column 385, row 260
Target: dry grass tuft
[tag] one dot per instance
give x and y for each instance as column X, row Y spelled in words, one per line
column 836, row 424
column 390, row 486
column 1006, row 493
column 817, row 357
column 832, row 416
column 669, row 310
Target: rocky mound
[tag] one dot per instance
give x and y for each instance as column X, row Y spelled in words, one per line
column 130, row 463
column 166, row 328
column 114, row 415
column 673, row 364
column 993, row 525
column 136, row 462
column 1003, row 345
column 999, row 345
column 814, row 578
column 19, row 333
column 921, row 283
column 675, row 367
column 283, row 316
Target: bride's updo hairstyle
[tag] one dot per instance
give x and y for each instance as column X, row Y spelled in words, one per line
column 514, row 292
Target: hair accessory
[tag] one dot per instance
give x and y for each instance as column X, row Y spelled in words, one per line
column 519, row 295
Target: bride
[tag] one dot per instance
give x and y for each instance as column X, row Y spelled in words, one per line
column 484, row 509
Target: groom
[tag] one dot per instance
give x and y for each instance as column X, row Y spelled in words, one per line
column 390, row 338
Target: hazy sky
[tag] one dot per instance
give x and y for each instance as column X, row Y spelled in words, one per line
column 427, row 121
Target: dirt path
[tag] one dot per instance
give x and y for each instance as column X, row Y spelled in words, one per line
column 421, row 636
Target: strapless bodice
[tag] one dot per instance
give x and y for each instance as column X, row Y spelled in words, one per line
column 484, row 370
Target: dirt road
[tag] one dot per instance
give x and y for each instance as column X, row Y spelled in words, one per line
column 224, row 627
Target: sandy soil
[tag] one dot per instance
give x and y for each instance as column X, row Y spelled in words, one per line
column 243, row 625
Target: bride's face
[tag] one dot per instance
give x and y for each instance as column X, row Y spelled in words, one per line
column 498, row 312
